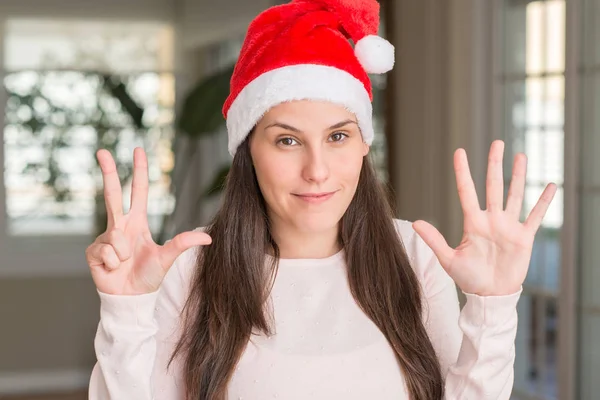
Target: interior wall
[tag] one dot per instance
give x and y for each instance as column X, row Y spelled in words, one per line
column 441, row 101
column 207, row 21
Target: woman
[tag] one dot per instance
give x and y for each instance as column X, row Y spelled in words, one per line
column 304, row 286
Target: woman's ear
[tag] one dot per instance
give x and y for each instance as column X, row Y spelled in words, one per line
column 365, row 149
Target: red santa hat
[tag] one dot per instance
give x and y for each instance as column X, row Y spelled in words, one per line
column 301, row 51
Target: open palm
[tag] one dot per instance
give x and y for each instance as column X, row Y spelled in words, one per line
column 493, row 256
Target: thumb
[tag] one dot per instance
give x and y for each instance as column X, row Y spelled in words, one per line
column 435, row 240
column 180, row 243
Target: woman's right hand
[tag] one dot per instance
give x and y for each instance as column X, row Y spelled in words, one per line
column 124, row 260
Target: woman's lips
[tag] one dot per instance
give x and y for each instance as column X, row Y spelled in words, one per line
column 315, row 198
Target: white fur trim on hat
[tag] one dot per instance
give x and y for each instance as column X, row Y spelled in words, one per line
column 375, row 54
column 298, row 82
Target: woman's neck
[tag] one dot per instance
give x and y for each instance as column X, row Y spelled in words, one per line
column 296, row 244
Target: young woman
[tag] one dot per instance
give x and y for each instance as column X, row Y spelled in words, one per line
column 304, row 286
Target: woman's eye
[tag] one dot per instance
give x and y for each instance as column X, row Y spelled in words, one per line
column 338, row 137
column 287, row 141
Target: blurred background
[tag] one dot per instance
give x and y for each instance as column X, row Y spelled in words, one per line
column 78, row 75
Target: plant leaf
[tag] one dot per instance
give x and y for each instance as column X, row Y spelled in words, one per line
column 117, row 89
column 201, row 112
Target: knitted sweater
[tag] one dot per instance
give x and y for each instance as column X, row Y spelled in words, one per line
column 324, row 346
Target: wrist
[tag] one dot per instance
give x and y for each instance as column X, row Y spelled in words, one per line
column 496, row 292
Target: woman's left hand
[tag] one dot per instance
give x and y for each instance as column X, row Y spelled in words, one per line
column 494, row 254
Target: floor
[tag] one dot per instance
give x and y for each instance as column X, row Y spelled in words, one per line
column 64, row 396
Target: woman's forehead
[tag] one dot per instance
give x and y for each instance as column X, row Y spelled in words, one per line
column 308, row 112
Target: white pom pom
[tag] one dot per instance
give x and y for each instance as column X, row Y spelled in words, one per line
column 375, row 54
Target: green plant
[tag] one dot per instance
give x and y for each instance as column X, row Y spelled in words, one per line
column 201, row 116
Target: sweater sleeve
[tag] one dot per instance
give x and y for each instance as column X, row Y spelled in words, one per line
column 136, row 337
column 475, row 345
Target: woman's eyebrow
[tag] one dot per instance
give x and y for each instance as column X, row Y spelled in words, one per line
column 284, row 126
column 340, row 124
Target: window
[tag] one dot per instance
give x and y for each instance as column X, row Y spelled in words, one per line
column 532, row 80
column 74, row 87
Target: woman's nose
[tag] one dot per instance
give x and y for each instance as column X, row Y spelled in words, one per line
column 316, row 168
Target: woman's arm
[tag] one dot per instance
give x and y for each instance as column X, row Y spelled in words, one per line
column 491, row 262
column 136, row 337
column 475, row 346
column 139, row 304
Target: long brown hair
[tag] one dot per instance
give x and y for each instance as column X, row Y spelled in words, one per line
column 232, row 283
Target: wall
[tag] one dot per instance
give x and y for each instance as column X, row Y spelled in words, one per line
column 442, row 101
column 205, row 21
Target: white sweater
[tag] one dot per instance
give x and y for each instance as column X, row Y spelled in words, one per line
column 324, row 347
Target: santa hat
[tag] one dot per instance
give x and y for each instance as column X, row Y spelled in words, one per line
column 300, row 51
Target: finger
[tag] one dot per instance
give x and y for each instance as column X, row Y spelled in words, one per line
column 495, row 177
column 139, row 186
column 112, row 186
column 103, row 254
column 516, row 191
column 435, row 240
column 464, row 183
column 116, row 238
column 180, row 243
column 534, row 220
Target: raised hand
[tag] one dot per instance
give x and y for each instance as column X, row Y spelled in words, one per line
column 124, row 260
column 494, row 254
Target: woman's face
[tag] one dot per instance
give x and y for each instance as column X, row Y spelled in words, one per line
column 307, row 156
